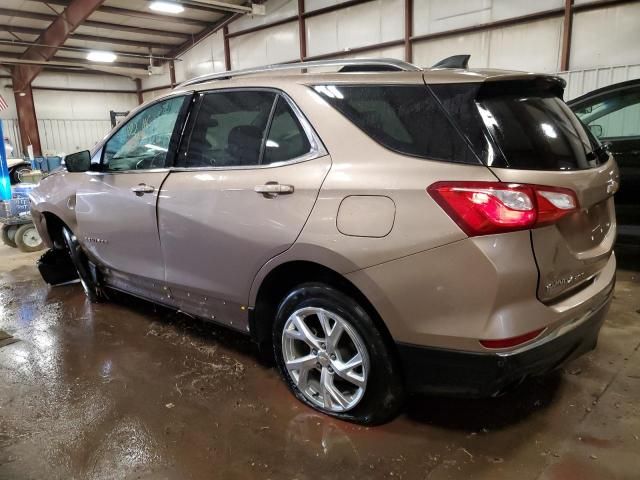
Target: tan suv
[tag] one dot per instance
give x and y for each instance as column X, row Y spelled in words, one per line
column 383, row 229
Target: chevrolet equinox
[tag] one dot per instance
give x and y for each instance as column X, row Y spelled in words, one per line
column 382, row 229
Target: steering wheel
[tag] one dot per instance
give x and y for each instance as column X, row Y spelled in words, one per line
column 154, row 161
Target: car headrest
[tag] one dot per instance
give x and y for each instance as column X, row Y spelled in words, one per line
column 244, row 143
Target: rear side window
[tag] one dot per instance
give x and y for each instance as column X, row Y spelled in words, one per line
column 244, row 128
column 229, row 129
column 286, row 140
column 404, row 118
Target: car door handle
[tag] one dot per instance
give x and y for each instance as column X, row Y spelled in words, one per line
column 273, row 189
column 143, row 188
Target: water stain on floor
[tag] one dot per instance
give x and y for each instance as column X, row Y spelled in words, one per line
column 127, row 390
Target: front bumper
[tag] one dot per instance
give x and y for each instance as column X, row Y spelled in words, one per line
column 479, row 374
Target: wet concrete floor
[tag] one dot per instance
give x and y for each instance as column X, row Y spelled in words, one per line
column 123, row 390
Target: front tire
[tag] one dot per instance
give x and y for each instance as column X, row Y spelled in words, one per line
column 88, row 280
column 333, row 357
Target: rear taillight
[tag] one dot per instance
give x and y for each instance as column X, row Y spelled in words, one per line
column 483, row 208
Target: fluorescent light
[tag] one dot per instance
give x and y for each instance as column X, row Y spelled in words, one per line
column 166, row 7
column 98, row 56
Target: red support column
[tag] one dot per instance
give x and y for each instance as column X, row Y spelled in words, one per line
column 76, row 12
column 567, row 25
column 227, row 51
column 139, row 91
column 172, row 73
column 27, row 121
column 302, row 31
column 408, row 30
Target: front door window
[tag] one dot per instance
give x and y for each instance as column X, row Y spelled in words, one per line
column 145, row 141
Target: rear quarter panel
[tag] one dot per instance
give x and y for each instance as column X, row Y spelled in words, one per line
column 362, row 167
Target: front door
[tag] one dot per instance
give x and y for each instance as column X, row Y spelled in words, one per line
column 116, row 206
column 248, row 182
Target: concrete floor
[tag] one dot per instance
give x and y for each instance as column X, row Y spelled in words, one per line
column 120, row 390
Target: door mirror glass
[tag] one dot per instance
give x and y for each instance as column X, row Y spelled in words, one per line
column 596, row 130
column 78, row 162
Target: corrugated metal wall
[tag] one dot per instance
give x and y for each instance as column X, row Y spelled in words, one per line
column 580, row 82
column 68, row 120
column 11, row 131
column 59, row 137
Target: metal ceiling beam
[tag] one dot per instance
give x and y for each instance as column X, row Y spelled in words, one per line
column 217, row 6
column 154, row 16
column 55, row 35
column 14, row 59
column 141, row 56
column 45, row 17
column 68, row 61
column 107, row 9
column 122, row 41
column 91, row 38
column 180, row 49
column 23, row 73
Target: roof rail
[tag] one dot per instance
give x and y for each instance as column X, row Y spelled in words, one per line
column 351, row 65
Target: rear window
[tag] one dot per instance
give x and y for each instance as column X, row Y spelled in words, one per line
column 521, row 124
column 404, row 118
column 539, row 133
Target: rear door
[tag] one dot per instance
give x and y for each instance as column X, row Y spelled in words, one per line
column 540, row 141
column 240, row 195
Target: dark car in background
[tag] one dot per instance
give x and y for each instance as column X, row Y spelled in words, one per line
column 612, row 114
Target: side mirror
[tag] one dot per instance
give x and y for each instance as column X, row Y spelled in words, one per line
column 78, row 162
column 596, row 130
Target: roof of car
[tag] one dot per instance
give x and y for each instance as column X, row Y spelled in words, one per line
column 436, row 75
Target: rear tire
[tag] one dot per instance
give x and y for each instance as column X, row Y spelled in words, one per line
column 9, row 235
column 86, row 274
column 28, row 239
column 352, row 374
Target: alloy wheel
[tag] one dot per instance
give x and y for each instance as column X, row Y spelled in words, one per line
column 326, row 358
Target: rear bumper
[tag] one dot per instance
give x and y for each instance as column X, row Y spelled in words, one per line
column 479, row 374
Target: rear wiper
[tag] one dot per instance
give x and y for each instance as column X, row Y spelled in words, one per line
column 601, row 151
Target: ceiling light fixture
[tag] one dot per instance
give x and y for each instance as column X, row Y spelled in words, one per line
column 100, row 56
column 166, row 7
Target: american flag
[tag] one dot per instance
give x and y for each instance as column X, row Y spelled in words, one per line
column 3, row 104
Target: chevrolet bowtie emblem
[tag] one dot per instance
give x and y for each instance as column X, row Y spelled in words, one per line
column 612, row 186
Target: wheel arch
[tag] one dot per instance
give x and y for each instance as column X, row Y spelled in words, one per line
column 283, row 278
column 53, row 226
